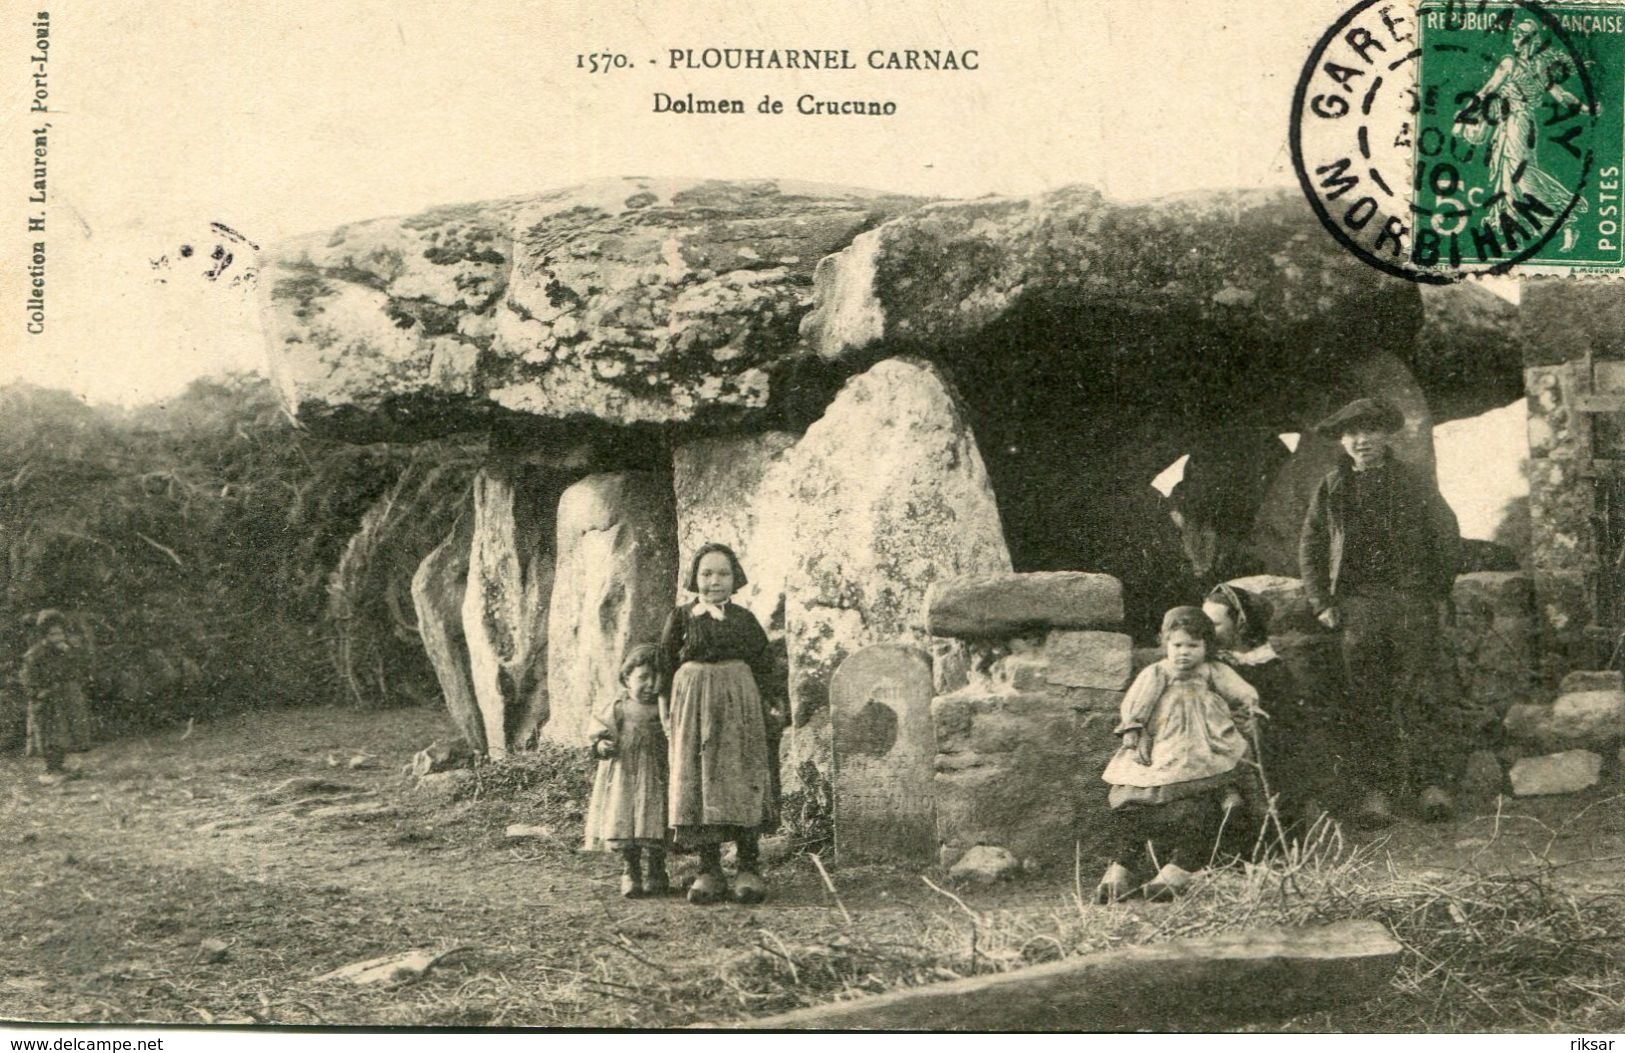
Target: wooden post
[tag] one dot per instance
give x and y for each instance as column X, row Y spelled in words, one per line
column 1195, row 984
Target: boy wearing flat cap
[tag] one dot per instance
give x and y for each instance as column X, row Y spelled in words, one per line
column 1379, row 552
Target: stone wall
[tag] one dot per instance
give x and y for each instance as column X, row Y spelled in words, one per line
column 1574, row 340
column 1020, row 747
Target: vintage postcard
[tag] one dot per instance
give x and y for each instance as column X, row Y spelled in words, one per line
column 1091, row 516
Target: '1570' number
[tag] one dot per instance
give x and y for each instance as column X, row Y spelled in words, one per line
column 602, row 62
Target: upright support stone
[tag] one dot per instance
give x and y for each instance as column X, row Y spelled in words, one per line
column 510, row 581
column 890, row 495
column 736, row 489
column 438, row 588
column 880, row 706
column 612, row 589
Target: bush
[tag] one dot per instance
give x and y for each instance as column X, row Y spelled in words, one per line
column 190, row 541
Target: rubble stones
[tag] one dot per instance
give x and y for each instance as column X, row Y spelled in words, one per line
column 1589, row 680
column 439, row 756
column 985, row 864
column 1482, row 777
column 1568, row 772
column 1594, row 719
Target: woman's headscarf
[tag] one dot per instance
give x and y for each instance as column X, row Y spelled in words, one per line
column 1250, row 611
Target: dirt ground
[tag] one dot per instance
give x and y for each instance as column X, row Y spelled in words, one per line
column 213, row 876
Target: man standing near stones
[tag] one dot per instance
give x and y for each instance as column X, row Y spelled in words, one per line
column 1378, row 553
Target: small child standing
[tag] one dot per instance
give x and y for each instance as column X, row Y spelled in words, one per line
column 627, row 813
column 1186, row 722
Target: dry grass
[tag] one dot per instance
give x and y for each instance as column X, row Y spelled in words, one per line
column 1506, row 950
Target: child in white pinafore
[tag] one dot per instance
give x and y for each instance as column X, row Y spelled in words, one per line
column 1186, row 727
column 627, row 813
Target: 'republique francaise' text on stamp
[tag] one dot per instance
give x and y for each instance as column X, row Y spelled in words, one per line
column 1446, row 138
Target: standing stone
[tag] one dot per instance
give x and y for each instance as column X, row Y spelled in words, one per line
column 880, row 708
column 612, row 590
column 736, row 489
column 1567, row 772
column 438, row 588
column 510, row 581
column 890, row 495
column 985, row 864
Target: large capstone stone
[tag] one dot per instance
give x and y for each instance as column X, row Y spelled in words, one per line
column 889, row 496
column 626, row 300
column 1007, row 605
column 612, row 588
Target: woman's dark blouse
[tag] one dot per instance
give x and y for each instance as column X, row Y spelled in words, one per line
column 691, row 637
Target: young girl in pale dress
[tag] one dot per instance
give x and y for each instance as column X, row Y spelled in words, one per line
column 627, row 813
column 715, row 654
column 1185, row 728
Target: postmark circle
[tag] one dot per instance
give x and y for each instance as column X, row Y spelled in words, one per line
column 1454, row 139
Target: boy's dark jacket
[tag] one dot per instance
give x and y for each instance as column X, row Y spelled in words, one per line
column 1425, row 531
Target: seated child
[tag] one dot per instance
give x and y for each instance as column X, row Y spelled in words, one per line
column 1185, row 728
column 627, row 813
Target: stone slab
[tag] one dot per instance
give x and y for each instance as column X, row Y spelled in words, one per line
column 1251, row 975
column 880, row 710
column 1003, row 605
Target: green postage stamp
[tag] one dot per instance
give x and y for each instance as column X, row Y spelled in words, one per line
column 1455, row 137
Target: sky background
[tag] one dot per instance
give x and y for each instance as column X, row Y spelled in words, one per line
column 279, row 120
column 282, row 119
